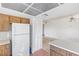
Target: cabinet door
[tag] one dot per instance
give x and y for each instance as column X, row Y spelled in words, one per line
column 54, row 53
column 1, row 22
column 23, row 20
column 4, row 22
column 14, row 19
column 5, row 50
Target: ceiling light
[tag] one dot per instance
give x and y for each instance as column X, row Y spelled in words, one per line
column 46, row 14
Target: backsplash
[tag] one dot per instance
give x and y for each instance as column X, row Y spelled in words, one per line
column 4, row 35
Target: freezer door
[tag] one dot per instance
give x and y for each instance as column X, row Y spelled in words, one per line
column 18, row 28
column 20, row 45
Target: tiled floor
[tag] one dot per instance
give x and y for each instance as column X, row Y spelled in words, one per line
column 40, row 52
column 46, row 49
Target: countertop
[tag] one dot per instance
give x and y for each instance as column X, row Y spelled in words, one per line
column 2, row 42
column 66, row 45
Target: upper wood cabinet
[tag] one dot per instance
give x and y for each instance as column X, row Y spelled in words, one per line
column 24, row 20
column 14, row 19
column 4, row 22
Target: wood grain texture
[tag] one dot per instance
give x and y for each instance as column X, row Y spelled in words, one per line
column 4, row 22
column 14, row 19
column 5, row 50
column 25, row 21
column 56, row 51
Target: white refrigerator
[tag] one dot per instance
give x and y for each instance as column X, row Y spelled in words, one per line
column 20, row 39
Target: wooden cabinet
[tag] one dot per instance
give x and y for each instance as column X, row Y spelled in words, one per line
column 4, row 22
column 24, row 20
column 5, row 50
column 14, row 19
column 56, row 51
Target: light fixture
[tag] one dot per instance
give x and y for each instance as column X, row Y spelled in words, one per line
column 46, row 14
column 73, row 19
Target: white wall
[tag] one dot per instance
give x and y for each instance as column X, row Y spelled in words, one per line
column 4, row 36
column 36, row 34
column 63, row 29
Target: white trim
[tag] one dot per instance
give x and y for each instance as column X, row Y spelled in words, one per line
column 37, row 9
column 25, row 4
column 0, row 4
column 59, row 4
column 32, row 7
column 28, row 7
column 14, row 13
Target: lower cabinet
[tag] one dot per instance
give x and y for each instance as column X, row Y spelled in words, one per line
column 56, row 51
column 5, row 50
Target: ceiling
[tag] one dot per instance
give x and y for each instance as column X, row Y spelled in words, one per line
column 65, row 10
column 33, row 9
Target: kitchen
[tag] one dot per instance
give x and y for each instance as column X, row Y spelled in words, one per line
column 8, row 32
column 32, row 29
column 13, row 24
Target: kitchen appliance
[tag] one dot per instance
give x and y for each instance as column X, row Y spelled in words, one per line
column 20, row 39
